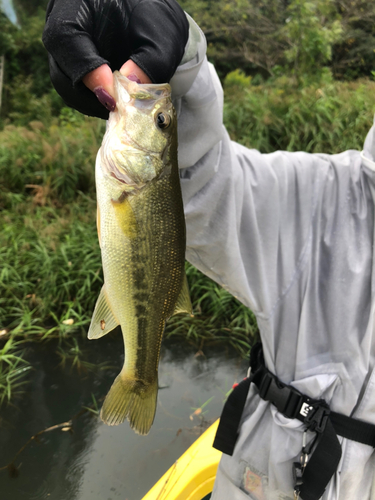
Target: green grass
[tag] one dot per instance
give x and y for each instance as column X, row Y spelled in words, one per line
column 50, row 272
column 52, row 269
column 12, row 370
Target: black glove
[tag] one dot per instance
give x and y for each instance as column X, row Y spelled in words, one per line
column 81, row 35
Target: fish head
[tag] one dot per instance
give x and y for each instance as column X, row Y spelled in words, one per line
column 141, row 136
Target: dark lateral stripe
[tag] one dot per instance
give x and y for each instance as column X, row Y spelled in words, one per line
column 140, row 310
column 140, row 297
column 141, row 364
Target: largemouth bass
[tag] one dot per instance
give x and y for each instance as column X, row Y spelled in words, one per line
column 141, row 230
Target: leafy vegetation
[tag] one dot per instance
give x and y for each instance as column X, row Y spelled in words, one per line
column 321, row 116
column 296, row 36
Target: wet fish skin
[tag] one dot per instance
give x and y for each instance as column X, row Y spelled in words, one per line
column 141, row 229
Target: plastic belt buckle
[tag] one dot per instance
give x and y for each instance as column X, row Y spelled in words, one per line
column 316, row 419
column 287, row 400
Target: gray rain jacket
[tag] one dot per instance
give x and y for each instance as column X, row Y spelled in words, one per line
column 291, row 235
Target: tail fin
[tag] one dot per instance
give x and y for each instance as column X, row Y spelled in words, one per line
column 132, row 399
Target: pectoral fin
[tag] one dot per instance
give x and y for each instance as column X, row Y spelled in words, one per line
column 103, row 320
column 183, row 304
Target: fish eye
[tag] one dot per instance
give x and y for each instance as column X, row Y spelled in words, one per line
column 163, row 120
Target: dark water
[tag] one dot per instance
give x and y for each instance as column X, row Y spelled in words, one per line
column 97, row 462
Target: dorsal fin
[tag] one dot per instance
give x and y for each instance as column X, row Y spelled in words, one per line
column 103, row 320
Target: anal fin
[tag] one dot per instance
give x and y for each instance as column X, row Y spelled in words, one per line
column 183, row 304
column 103, row 320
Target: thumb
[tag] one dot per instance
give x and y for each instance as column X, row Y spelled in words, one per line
column 134, row 72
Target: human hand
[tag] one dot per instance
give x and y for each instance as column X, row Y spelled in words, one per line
column 88, row 39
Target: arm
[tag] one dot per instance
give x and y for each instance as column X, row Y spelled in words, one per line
column 248, row 215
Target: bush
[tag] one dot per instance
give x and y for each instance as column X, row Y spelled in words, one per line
column 52, row 164
column 324, row 116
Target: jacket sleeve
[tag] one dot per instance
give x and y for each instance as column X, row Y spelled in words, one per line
column 248, row 215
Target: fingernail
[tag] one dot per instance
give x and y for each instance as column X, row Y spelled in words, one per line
column 105, row 99
column 134, row 78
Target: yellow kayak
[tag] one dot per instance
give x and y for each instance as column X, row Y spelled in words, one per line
column 192, row 476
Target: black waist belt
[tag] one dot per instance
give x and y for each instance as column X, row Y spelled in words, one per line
column 319, row 460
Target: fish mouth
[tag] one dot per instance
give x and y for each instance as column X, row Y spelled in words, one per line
column 141, row 93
